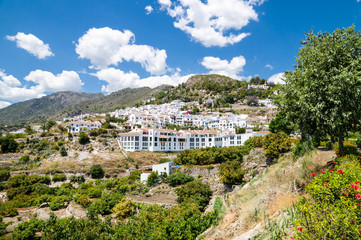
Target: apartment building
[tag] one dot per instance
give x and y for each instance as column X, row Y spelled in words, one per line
column 167, row 140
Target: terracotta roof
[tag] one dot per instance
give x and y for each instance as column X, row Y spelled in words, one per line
column 129, row 134
column 165, row 137
column 168, row 130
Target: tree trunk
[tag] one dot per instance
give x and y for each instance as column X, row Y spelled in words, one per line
column 340, row 145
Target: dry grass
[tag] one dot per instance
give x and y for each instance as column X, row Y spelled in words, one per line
column 269, row 194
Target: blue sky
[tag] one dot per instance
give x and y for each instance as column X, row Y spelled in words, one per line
column 103, row 46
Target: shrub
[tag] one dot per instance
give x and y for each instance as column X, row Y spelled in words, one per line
column 210, row 155
column 59, row 178
column 62, row 151
column 83, row 138
column 301, row 149
column 59, row 202
column 96, row 171
column 196, row 192
column 8, row 144
column 82, row 200
column 24, row 159
column 124, row 208
column 275, row 144
column 348, row 148
column 77, row 179
column 152, row 179
column 178, row 178
column 231, row 173
column 94, row 192
column 332, row 210
column 4, row 174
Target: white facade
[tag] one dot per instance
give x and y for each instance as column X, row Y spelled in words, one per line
column 78, row 126
column 163, row 168
column 166, row 140
column 144, row 177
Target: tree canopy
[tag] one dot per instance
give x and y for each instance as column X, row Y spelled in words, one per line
column 322, row 94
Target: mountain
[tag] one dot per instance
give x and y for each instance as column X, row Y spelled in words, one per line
column 41, row 108
column 67, row 103
column 224, row 90
column 127, row 97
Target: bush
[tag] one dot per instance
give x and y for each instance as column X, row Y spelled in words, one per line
column 59, row 178
column 4, row 174
column 301, row 149
column 275, row 144
column 195, row 192
column 96, row 171
column 152, row 179
column 231, row 173
column 62, row 151
column 59, row 202
column 178, row 178
column 77, row 179
column 348, row 148
column 82, row 200
column 124, row 208
column 8, row 144
column 332, row 210
column 210, row 155
column 24, row 159
column 83, row 138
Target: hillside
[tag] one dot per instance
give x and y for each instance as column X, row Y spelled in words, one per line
column 224, row 90
column 67, row 103
column 41, row 108
column 127, row 97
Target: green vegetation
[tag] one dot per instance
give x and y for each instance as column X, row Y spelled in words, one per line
column 178, row 178
column 194, row 192
column 8, row 144
column 58, row 178
column 83, row 138
column 96, row 171
column 210, row 155
column 321, row 95
column 231, row 173
column 332, row 210
column 152, row 179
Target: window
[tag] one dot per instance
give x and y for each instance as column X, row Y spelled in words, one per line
column 136, row 138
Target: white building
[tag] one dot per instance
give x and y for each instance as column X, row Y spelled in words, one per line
column 166, row 140
column 78, row 126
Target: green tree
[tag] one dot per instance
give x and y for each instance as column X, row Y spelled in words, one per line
column 29, row 130
column 152, row 179
column 231, row 173
column 321, row 96
column 96, row 171
column 280, row 124
column 8, row 144
column 49, row 124
column 83, row 138
column 62, row 151
column 195, row 192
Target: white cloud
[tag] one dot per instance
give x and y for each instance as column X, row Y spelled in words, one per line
column 12, row 89
column 31, row 44
column 224, row 67
column 117, row 79
column 4, row 104
column 269, row 66
column 212, row 22
column 105, row 47
column 48, row 82
column 277, row 78
column 148, row 9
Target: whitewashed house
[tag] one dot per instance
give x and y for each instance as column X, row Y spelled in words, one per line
column 78, row 126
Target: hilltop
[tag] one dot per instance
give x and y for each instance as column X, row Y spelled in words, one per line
column 223, row 90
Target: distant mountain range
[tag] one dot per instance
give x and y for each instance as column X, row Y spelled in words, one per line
column 68, row 103
column 223, row 90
